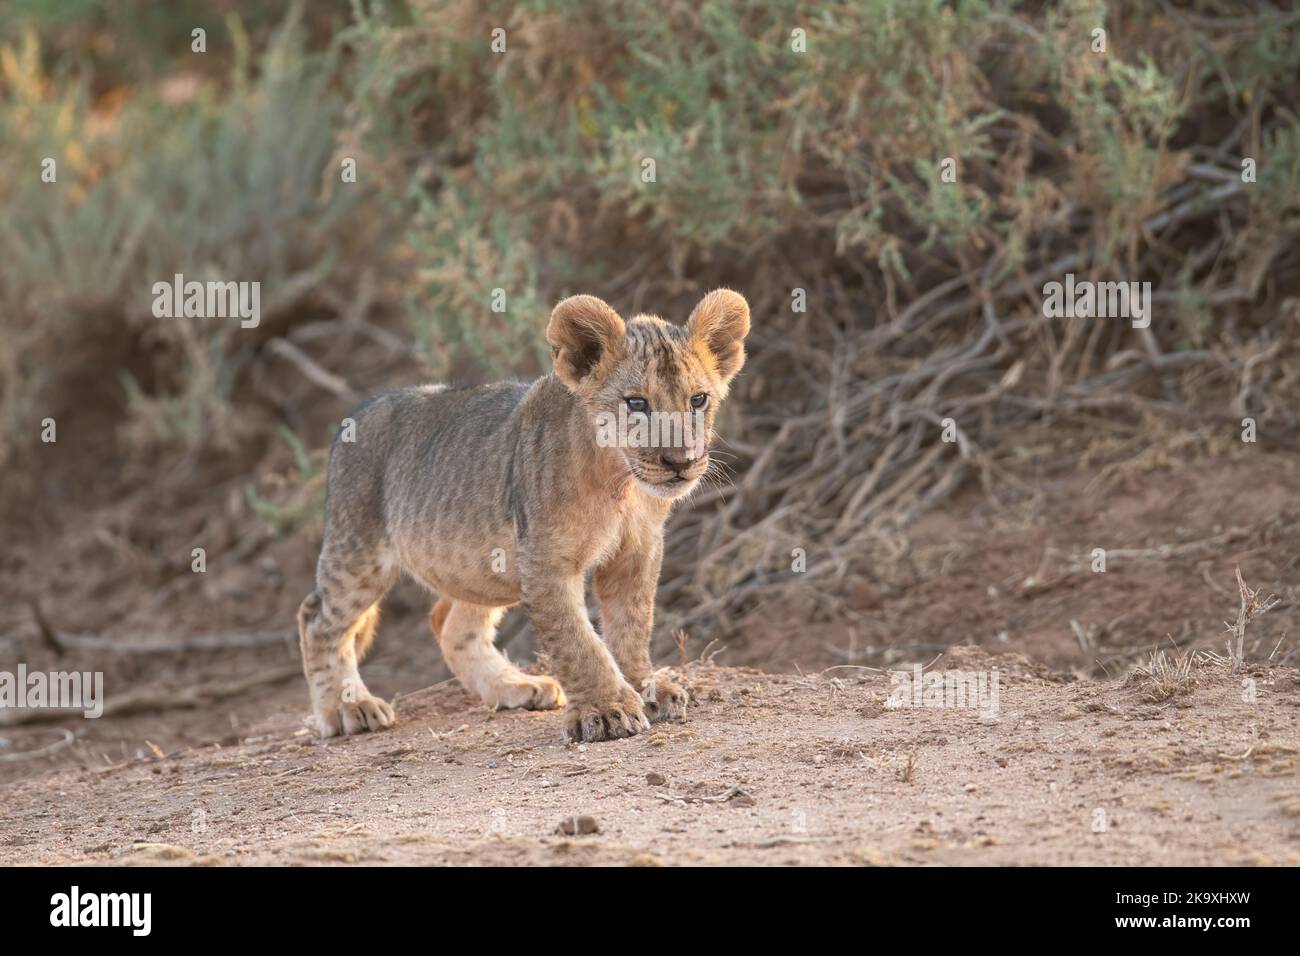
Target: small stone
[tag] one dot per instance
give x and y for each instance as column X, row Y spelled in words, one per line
column 656, row 779
column 578, row 826
column 152, row 852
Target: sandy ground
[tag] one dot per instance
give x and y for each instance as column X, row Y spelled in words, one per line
column 205, row 758
column 766, row 769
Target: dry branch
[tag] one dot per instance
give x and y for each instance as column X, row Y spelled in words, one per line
column 149, row 699
column 65, row 740
column 861, row 456
column 1252, row 606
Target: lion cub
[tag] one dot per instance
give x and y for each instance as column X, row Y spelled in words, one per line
column 508, row 493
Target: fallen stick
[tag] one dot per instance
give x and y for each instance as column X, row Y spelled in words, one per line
column 310, row 370
column 66, row 741
column 60, row 641
column 217, row 642
column 152, row 699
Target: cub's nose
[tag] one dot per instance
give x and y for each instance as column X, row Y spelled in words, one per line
column 677, row 461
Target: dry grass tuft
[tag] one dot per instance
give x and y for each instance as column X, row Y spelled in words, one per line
column 1165, row 676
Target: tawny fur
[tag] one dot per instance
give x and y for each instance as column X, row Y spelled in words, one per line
column 502, row 494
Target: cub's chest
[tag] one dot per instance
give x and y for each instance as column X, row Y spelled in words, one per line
column 597, row 535
column 602, row 533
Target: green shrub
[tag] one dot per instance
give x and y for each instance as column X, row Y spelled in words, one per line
column 916, row 168
column 238, row 182
column 777, row 170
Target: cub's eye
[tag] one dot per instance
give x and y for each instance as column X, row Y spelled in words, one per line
column 637, row 405
column 699, row 401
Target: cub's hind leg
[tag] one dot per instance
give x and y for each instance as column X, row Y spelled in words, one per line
column 336, row 624
column 465, row 633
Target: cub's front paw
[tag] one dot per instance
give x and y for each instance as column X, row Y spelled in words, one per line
column 605, row 718
column 663, row 699
column 353, row 715
column 529, row 693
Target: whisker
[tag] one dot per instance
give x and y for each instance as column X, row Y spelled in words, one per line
column 722, row 470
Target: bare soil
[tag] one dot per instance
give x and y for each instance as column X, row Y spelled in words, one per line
column 766, row 769
column 805, row 766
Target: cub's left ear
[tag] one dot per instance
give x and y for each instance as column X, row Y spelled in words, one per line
column 717, row 328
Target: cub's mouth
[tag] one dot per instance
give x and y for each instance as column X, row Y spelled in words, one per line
column 668, row 489
column 668, row 484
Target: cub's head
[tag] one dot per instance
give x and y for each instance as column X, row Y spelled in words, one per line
column 652, row 388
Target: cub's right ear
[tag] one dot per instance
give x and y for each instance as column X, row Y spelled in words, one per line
column 587, row 338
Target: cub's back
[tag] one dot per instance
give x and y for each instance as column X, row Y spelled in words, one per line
column 412, row 448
